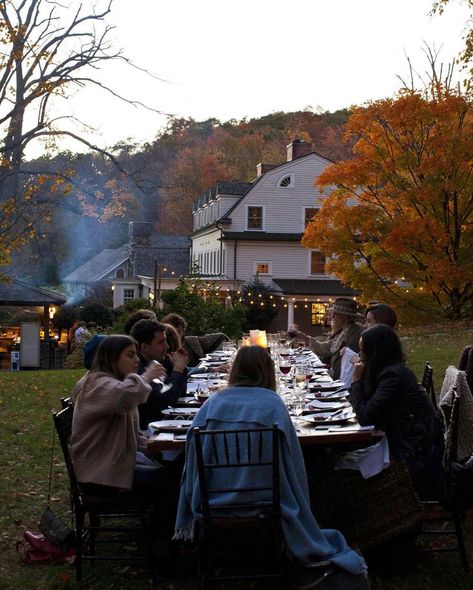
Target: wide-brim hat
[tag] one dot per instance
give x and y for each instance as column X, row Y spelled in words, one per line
column 344, row 306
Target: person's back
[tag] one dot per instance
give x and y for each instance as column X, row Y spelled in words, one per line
column 251, row 401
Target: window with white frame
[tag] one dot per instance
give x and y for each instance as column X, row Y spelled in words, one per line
column 317, row 263
column 309, row 214
column 255, row 218
column 286, row 181
column 263, row 268
column 128, row 295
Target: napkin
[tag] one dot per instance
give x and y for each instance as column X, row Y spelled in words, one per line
column 369, row 461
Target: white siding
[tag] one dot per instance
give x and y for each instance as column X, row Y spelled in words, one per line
column 206, row 251
column 288, row 261
column 283, row 206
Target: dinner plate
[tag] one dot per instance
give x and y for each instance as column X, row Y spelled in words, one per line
column 326, row 385
column 214, row 376
column 328, row 396
column 328, row 417
column 190, row 412
column 211, row 363
column 317, row 405
column 171, row 425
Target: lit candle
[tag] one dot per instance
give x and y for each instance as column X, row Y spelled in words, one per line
column 258, row 337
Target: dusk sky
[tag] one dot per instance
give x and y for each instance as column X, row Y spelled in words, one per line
column 235, row 59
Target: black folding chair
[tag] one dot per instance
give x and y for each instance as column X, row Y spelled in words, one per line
column 91, row 511
column 239, row 531
column 445, row 508
column 428, row 383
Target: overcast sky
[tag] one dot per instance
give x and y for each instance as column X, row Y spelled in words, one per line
column 246, row 58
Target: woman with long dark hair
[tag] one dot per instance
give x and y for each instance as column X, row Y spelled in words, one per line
column 385, row 392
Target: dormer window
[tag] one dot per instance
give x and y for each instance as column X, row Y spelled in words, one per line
column 286, row 181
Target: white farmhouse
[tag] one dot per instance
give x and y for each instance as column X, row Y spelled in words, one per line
column 246, row 230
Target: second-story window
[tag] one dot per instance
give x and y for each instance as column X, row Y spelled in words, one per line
column 255, row 217
column 309, row 215
column 317, row 263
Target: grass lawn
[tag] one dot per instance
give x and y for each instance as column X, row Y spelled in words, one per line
column 26, row 399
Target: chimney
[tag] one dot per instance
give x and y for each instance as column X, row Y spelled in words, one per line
column 262, row 168
column 297, row 149
column 139, row 232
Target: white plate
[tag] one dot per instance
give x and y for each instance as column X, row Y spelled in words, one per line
column 327, row 396
column 211, row 376
column 326, row 385
column 171, row 425
column 317, row 404
column 326, row 417
column 191, row 412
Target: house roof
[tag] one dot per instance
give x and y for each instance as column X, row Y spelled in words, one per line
column 232, row 188
column 19, row 293
column 315, row 287
column 98, row 266
column 260, row 236
column 170, row 250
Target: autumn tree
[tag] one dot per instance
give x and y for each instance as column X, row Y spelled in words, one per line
column 48, row 50
column 398, row 219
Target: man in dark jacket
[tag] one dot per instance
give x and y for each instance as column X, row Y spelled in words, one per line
column 151, row 339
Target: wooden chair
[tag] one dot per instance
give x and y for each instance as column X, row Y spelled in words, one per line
column 428, row 383
column 90, row 512
column 444, row 509
column 239, row 532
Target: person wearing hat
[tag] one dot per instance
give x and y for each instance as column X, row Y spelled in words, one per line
column 345, row 333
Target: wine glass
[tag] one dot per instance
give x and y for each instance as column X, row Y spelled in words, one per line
column 285, row 366
column 164, row 386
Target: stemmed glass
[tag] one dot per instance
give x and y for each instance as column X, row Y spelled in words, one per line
column 164, row 386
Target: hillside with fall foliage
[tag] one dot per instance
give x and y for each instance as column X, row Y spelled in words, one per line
column 156, row 182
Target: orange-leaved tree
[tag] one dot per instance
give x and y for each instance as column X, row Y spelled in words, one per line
column 398, row 224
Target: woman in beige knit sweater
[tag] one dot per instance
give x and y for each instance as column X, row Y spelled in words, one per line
column 105, row 427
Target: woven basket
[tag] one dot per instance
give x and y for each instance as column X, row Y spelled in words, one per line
column 369, row 512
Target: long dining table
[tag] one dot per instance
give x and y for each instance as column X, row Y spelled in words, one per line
column 309, row 435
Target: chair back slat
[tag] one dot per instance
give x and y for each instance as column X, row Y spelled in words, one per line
column 225, row 452
column 452, row 450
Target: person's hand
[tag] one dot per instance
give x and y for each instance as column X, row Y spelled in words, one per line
column 358, row 371
column 180, row 360
column 154, row 370
column 224, row 368
column 355, row 359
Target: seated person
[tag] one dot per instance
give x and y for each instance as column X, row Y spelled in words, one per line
column 141, row 314
column 345, row 333
column 293, row 336
column 152, row 346
column 196, row 346
column 250, row 401
column 465, row 363
column 105, row 429
column 385, row 392
column 380, row 313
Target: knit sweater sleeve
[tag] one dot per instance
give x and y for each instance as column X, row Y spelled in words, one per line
column 112, row 396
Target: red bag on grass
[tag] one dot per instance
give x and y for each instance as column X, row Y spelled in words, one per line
column 43, row 552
